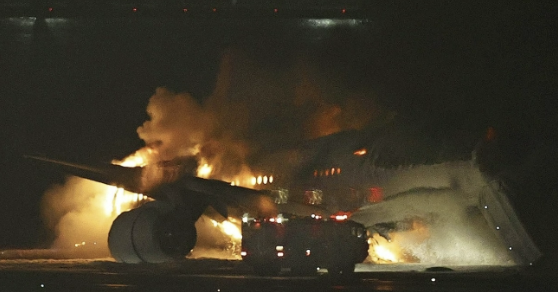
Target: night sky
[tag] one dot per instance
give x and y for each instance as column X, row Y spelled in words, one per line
column 78, row 88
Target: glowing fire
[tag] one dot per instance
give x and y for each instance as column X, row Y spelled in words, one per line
column 229, row 228
column 382, row 250
column 139, row 158
column 261, row 180
column 205, row 170
column 360, row 152
column 118, row 200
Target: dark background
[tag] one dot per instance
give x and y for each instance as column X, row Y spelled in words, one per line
column 77, row 88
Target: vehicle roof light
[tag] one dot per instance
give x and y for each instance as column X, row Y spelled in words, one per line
column 340, row 217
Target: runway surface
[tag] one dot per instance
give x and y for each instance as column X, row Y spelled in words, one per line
column 104, row 274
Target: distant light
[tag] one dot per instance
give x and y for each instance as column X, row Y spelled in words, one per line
column 275, row 10
column 270, row 179
column 134, row 9
column 185, row 9
column 50, row 9
column 280, row 254
column 243, row 253
column 497, row 227
column 343, row 10
column 433, row 279
column 485, row 206
column 42, row 285
column 510, row 248
column 307, row 252
column 214, row 9
column 360, row 152
column 279, row 248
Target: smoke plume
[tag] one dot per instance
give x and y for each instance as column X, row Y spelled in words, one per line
column 253, row 110
column 75, row 212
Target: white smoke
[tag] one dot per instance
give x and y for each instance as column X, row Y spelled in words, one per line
column 75, row 212
column 444, row 199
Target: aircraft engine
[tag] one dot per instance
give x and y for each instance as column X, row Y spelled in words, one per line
column 153, row 233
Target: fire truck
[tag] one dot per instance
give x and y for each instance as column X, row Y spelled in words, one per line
column 303, row 244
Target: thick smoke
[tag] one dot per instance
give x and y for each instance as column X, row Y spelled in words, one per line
column 254, row 110
column 75, row 212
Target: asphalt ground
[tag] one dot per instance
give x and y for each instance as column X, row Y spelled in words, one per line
column 215, row 275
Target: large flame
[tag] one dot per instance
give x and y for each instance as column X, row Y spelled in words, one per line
column 221, row 132
column 393, row 250
column 141, row 158
column 118, row 200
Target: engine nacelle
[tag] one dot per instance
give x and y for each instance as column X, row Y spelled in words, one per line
column 152, row 233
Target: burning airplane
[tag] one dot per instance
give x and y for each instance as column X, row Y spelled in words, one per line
column 434, row 207
column 422, row 199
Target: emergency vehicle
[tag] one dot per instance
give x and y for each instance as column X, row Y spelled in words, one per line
column 303, row 244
